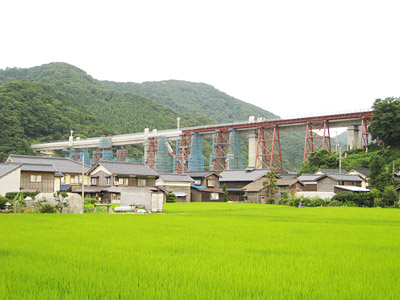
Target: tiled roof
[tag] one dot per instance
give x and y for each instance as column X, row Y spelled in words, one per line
column 128, row 168
column 331, row 171
column 7, row 168
column 242, row 175
column 345, row 177
column 364, row 172
column 46, row 168
column 176, row 178
column 62, row 164
column 310, row 177
column 200, row 174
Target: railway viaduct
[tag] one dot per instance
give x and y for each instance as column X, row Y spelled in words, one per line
column 263, row 141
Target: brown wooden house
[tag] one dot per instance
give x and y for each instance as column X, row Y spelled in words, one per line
column 206, row 187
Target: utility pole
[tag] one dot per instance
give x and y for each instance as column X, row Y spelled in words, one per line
column 83, row 177
column 340, row 159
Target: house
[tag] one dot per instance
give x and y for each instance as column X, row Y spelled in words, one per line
column 179, row 184
column 254, row 192
column 121, row 182
column 206, row 187
column 327, row 183
column 322, row 171
column 236, row 180
column 70, row 170
column 10, row 178
column 310, row 181
column 363, row 173
column 349, row 189
column 39, row 177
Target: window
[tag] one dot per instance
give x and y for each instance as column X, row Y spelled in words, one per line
column 214, row 196
column 123, row 181
column 63, row 180
column 36, row 178
column 210, row 182
column 108, row 180
column 197, row 182
column 74, row 179
column 93, row 181
column 142, row 182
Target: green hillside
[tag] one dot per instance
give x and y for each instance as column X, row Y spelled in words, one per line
column 34, row 112
column 195, row 98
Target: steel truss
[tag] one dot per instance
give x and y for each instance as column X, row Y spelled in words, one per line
column 181, row 161
column 317, row 138
column 268, row 153
column 221, row 150
column 365, row 135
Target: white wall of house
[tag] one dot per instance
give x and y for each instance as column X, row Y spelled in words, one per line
column 10, row 182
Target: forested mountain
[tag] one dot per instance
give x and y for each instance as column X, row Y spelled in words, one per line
column 117, row 107
column 33, row 111
column 195, row 98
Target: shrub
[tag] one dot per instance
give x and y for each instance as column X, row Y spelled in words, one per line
column 389, row 196
column 360, row 199
column 271, row 200
column 47, row 208
column 335, row 203
column 3, row 201
column 91, row 201
column 304, row 202
column 171, row 197
column 11, row 195
column 350, row 204
column 317, row 202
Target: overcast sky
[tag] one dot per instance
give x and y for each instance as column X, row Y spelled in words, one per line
column 290, row 57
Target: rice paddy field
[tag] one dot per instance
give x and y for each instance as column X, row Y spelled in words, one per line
column 203, row 251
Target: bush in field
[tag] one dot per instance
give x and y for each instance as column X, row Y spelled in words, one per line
column 350, row 204
column 304, row 201
column 91, row 201
column 317, row 202
column 335, row 203
column 47, row 208
column 11, row 195
column 389, row 196
column 171, row 197
column 271, row 200
column 3, row 201
column 360, row 199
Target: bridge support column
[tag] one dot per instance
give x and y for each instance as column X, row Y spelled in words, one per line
column 151, row 152
column 317, row 138
column 268, row 154
column 183, row 151
column 365, row 135
column 252, row 150
column 353, row 136
column 221, row 150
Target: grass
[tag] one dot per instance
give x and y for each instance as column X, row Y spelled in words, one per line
column 203, row 251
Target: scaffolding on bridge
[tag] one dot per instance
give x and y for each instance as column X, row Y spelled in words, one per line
column 196, row 158
column 163, row 158
column 151, row 152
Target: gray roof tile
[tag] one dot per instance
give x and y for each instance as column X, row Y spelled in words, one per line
column 176, row 177
column 7, row 168
column 62, row 164
column 242, row 175
column 128, row 168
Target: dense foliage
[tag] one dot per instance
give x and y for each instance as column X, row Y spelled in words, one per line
column 194, row 98
column 385, row 124
column 34, row 112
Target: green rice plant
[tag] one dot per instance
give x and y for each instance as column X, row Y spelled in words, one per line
column 203, row 251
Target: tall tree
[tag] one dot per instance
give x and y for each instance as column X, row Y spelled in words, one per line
column 385, row 124
column 269, row 185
